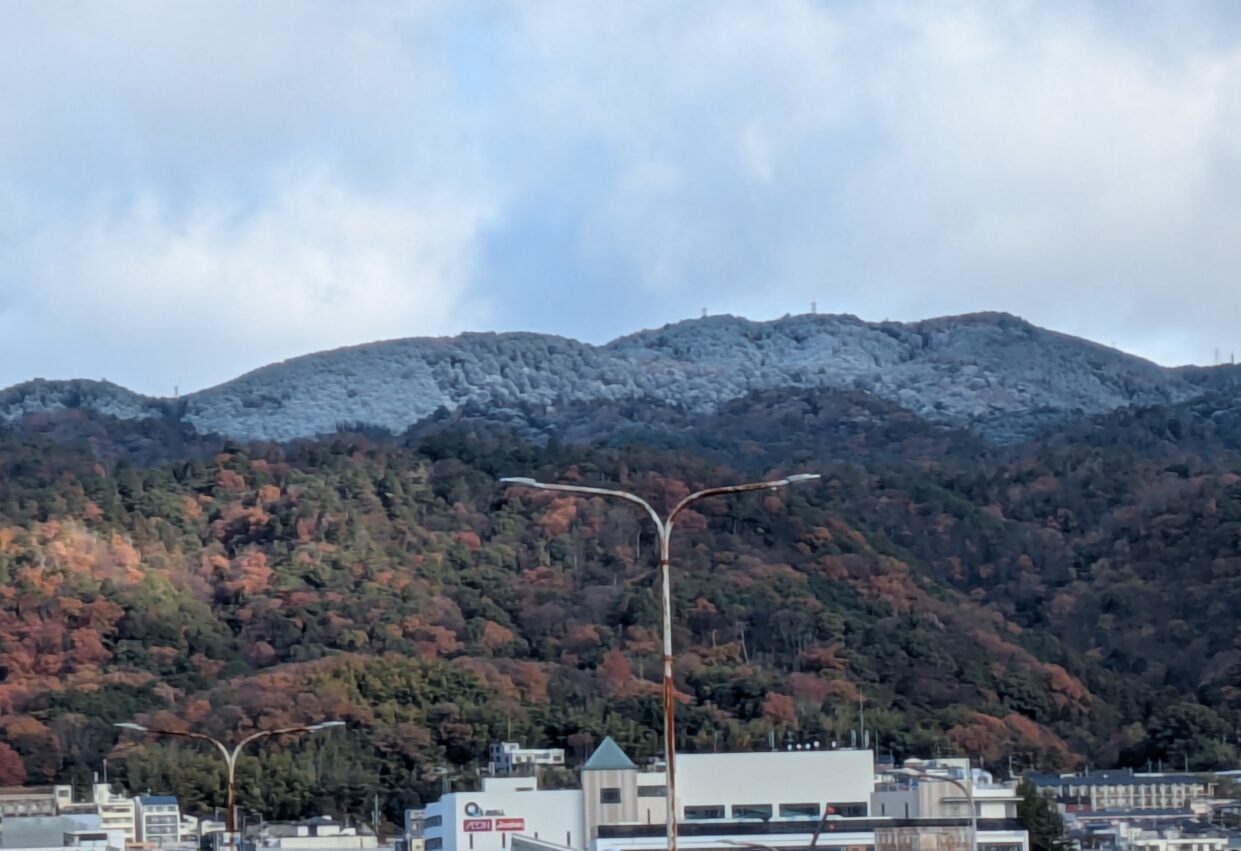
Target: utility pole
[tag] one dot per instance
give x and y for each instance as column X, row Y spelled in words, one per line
column 861, row 714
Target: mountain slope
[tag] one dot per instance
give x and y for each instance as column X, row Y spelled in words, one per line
column 1068, row 599
column 993, row 373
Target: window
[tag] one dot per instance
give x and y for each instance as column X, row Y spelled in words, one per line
column 799, row 811
column 433, row 821
column 435, row 843
column 609, row 795
column 652, row 791
column 762, row 811
column 849, row 809
column 699, row 813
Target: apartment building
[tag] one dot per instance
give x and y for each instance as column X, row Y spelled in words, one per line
column 33, row 800
column 512, row 758
column 936, row 796
column 1122, row 789
column 158, row 819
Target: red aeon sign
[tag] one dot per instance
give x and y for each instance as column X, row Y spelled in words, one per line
column 476, row 825
column 510, row 824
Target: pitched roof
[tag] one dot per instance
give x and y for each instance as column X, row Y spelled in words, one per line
column 608, row 757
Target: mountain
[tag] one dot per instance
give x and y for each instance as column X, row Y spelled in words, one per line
column 984, row 583
column 993, row 373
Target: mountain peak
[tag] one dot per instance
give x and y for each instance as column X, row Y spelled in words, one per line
column 993, row 372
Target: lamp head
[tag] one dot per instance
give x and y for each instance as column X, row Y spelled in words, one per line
column 130, row 725
column 803, row 477
column 518, row 480
column 325, row 725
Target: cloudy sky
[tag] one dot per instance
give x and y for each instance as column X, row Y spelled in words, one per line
column 192, row 190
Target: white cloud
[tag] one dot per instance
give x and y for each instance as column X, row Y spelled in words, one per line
column 198, row 298
column 260, row 180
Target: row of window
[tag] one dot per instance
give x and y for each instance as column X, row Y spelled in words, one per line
column 612, row 794
column 766, row 811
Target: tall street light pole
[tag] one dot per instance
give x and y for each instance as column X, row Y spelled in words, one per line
column 230, row 756
column 914, row 770
column 664, row 527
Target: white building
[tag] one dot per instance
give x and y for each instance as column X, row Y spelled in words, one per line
column 33, row 800
column 58, row 833
column 773, row 799
column 512, row 758
column 485, row 820
column 1122, row 789
column 158, row 820
column 901, row 796
column 321, row 833
column 115, row 812
column 1139, row 837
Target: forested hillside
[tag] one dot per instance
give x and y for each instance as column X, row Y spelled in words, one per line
column 1069, row 599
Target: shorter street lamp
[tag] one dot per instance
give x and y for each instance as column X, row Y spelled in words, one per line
column 230, row 756
column 913, row 769
column 663, row 525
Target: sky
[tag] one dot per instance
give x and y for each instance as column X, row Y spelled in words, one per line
column 192, row 190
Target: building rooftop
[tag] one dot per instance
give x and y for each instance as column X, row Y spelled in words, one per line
column 608, row 757
column 157, row 800
column 1114, row 777
column 26, row 790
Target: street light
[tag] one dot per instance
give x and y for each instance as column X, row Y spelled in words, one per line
column 230, row 757
column 664, row 527
column 912, row 769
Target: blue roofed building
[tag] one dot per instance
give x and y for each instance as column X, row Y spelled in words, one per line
column 158, row 820
column 1122, row 790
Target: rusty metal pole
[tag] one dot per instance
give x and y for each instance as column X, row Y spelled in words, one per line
column 670, row 729
column 230, row 821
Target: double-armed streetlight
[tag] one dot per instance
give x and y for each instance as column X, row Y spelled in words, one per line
column 664, row 527
column 914, row 769
column 230, row 756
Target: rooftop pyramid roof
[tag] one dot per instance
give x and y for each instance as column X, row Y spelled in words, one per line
column 608, row 757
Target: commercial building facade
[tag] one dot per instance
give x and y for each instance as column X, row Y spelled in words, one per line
column 778, row 799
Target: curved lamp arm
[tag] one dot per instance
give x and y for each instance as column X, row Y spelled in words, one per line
column 522, row 481
column 202, row 737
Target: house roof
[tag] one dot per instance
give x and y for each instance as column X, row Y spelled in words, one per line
column 608, row 757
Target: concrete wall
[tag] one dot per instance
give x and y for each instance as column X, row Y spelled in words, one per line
column 554, row 815
column 777, row 777
column 597, row 812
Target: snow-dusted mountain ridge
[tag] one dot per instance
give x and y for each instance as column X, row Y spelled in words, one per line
column 977, row 370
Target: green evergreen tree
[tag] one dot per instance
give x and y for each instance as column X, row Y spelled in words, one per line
column 1039, row 816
